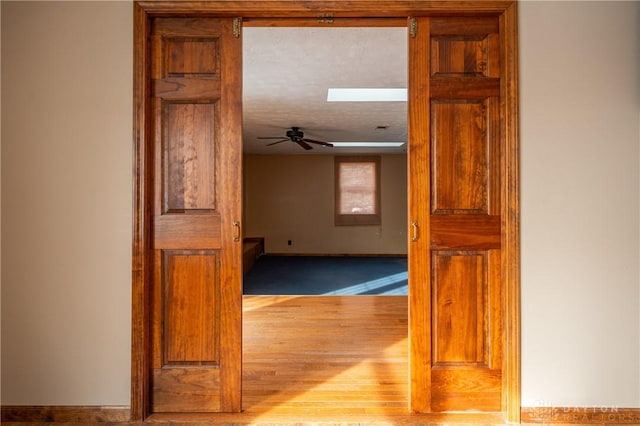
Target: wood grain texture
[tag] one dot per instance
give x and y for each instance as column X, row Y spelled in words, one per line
column 463, row 389
column 191, row 56
column 461, row 185
column 185, row 28
column 191, row 311
column 328, row 360
column 141, row 268
column 464, row 26
column 197, row 291
column 340, row 8
column 193, row 231
column 319, row 21
column 466, row 312
column 64, row 414
column 186, row 390
column 470, row 55
column 419, row 177
column 340, row 417
column 510, row 205
column 325, row 355
column 456, row 55
column 460, row 157
column 231, row 212
column 465, row 232
column 189, row 157
column 464, row 87
column 459, row 285
column 466, row 224
column 177, row 88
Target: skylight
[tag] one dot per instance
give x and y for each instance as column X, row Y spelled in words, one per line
column 367, row 95
column 367, row 144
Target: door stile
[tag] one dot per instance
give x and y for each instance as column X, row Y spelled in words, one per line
column 230, row 174
column 418, row 173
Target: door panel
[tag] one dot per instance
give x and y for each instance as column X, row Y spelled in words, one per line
column 458, row 290
column 191, row 323
column 459, row 157
column 455, row 189
column 197, row 289
column 189, row 157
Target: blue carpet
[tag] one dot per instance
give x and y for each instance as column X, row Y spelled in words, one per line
column 333, row 275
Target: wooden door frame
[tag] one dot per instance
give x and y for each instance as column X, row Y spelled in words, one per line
column 142, row 274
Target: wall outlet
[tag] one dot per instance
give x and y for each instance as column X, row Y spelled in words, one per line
column 289, row 242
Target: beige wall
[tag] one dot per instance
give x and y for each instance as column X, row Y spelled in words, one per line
column 291, row 197
column 580, row 99
column 66, row 203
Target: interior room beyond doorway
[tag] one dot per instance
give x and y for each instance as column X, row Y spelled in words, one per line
column 289, row 201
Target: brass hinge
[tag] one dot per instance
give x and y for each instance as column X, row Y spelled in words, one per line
column 325, row 18
column 413, row 27
column 237, row 27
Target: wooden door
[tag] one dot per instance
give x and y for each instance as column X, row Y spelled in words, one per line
column 197, row 285
column 456, row 182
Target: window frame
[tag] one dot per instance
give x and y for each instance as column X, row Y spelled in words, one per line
column 356, row 219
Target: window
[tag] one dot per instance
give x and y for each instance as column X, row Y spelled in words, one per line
column 357, row 191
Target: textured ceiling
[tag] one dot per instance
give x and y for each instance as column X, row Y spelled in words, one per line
column 286, row 74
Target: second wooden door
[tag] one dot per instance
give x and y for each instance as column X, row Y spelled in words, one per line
column 455, row 181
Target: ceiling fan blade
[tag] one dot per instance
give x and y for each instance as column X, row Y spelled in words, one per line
column 303, row 144
column 277, row 142
column 269, row 137
column 319, row 142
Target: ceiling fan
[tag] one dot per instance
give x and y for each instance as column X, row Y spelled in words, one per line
column 295, row 135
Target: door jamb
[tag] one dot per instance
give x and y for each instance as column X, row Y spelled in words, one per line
column 144, row 11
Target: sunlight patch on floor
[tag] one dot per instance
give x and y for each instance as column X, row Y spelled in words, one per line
column 372, row 285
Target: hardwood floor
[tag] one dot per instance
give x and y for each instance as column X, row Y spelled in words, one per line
column 326, row 359
column 325, row 355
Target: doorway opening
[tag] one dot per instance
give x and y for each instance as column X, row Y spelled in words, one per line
column 309, row 345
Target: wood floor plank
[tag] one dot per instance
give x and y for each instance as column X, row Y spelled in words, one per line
column 325, row 355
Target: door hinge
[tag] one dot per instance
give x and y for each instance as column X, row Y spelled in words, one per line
column 237, row 27
column 325, row 18
column 413, row 27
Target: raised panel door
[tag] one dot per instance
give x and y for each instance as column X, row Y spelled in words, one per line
column 197, row 287
column 455, row 179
